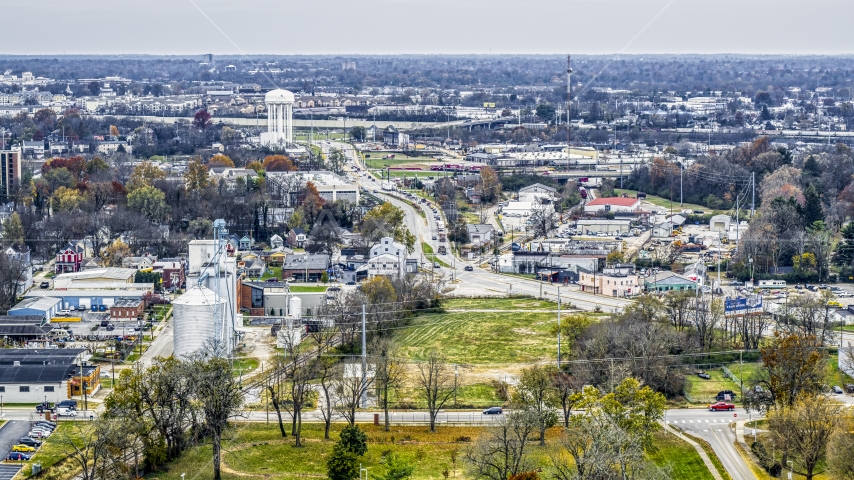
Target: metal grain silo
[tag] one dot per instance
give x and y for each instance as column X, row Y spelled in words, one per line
column 197, row 321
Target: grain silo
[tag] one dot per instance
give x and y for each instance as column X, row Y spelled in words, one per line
column 198, row 321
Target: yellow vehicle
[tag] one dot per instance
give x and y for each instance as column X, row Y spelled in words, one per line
column 834, row 303
column 23, row 448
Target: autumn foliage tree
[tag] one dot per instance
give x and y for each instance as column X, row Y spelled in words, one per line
column 278, row 163
column 220, row 160
column 202, row 119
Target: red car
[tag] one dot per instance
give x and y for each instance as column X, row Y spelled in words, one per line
column 716, row 407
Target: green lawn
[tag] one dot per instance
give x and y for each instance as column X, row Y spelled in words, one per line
column 679, row 457
column 426, row 248
column 308, row 288
column 52, row 452
column 257, row 450
column 244, row 366
column 511, row 337
column 664, row 202
column 434, row 259
column 704, row 391
column 516, row 303
column 272, row 272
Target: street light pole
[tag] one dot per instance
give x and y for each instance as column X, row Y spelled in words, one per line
column 558, row 327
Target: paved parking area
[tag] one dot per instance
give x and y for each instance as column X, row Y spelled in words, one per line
column 8, row 472
column 11, row 432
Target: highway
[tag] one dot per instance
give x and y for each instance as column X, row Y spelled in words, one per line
column 479, row 281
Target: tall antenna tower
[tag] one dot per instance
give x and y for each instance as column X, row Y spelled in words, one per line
column 568, row 103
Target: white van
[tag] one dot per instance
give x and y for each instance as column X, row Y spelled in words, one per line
column 66, row 412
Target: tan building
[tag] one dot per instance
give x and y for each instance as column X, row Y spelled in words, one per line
column 613, row 281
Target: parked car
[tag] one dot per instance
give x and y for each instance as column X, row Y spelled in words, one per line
column 38, row 433
column 436, row 265
column 837, row 390
column 71, row 404
column 493, row 411
column 29, row 441
column 18, row 456
column 22, row 448
column 725, row 395
column 704, row 375
column 65, row 412
column 44, row 285
column 721, row 406
column 849, row 388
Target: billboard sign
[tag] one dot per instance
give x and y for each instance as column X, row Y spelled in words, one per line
column 738, row 305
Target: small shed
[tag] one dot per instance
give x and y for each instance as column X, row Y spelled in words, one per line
column 720, row 223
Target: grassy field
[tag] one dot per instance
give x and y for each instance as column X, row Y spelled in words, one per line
column 514, row 336
column 704, row 391
column 664, row 202
column 52, row 452
column 244, row 365
column 259, row 451
column 426, row 248
column 519, row 303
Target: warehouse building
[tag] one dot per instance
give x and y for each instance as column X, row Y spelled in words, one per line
column 38, row 306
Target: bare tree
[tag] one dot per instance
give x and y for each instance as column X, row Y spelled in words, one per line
column 349, row 388
column 82, row 445
column 389, row 372
column 502, row 452
column 298, row 373
column 536, row 394
column 219, row 397
column 436, row 382
column 568, row 391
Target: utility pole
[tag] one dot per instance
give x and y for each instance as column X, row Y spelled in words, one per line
column 680, row 185
column 568, row 105
column 753, row 193
column 558, row 328
column 364, row 361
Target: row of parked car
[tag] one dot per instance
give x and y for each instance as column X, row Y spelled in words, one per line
column 27, row 446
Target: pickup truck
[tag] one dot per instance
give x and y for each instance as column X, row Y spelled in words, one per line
column 442, row 250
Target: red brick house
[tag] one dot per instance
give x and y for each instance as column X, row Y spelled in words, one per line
column 69, row 258
column 171, row 272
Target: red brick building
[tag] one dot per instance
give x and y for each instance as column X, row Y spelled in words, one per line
column 126, row 310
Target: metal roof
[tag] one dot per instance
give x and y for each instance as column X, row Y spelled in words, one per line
column 30, row 374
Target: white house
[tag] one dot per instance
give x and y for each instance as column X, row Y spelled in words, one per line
column 536, row 192
column 276, row 242
column 480, row 233
column 386, row 264
column 387, row 245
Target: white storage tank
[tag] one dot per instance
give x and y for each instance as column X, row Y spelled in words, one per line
column 194, row 322
column 295, row 307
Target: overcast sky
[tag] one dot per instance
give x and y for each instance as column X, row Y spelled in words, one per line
column 426, row 26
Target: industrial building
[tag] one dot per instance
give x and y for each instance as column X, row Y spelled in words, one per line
column 109, row 274
column 276, row 299
column 42, row 307
column 612, row 204
column 207, row 314
column 330, row 186
column 87, row 299
column 53, row 375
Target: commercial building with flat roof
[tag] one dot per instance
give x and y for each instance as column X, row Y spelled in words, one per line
column 330, row 186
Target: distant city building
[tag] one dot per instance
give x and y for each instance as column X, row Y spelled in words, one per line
column 10, row 164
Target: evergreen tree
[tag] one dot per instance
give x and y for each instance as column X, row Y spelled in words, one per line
column 343, row 463
column 811, row 167
column 811, row 210
column 844, row 254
